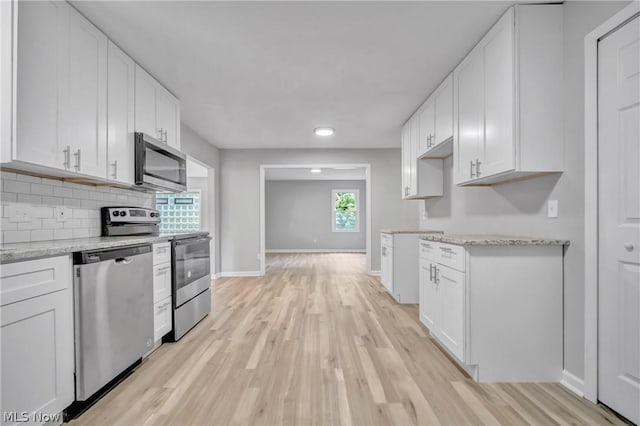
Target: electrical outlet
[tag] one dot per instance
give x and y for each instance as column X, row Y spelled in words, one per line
column 62, row 213
column 552, row 208
column 17, row 213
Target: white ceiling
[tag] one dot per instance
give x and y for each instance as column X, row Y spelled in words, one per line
column 264, row 74
column 305, row 174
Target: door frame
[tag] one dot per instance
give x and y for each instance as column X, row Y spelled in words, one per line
column 263, row 232
column 211, row 210
column 590, row 387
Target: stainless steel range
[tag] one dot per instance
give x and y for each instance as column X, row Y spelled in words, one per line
column 190, row 258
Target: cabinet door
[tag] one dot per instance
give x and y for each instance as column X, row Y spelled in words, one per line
column 121, row 115
column 85, row 100
column 426, row 127
column 443, row 100
column 387, row 268
column 6, row 77
column 469, row 111
column 168, row 113
column 38, row 354
column 162, row 318
column 42, row 67
column 414, row 142
column 145, row 119
column 430, row 304
column 406, row 159
column 161, row 282
column 451, row 325
column 499, row 98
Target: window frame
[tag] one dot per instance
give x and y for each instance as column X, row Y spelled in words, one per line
column 334, row 192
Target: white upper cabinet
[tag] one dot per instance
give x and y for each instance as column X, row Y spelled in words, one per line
column 42, row 70
column 436, row 122
column 157, row 110
column 507, row 103
column 85, row 109
column 6, row 73
column 422, row 178
column 120, row 116
column 61, row 90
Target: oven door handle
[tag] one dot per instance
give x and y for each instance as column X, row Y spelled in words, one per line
column 187, row 242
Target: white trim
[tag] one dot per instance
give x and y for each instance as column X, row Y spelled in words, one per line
column 573, row 383
column 316, row 250
column 375, row 273
column 216, row 275
column 591, row 195
column 263, row 167
column 239, row 274
column 333, row 210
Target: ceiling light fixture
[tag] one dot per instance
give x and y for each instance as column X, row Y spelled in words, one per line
column 316, row 170
column 324, row 131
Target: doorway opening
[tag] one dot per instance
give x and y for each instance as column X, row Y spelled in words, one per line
column 315, row 208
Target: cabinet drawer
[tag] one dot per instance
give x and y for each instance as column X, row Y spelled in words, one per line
column 450, row 255
column 162, row 318
column 386, row 239
column 161, row 281
column 161, row 253
column 428, row 249
column 31, row 278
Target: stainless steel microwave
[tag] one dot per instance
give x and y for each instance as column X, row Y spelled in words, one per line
column 158, row 166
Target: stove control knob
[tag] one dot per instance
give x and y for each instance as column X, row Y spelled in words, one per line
column 152, row 215
column 116, row 213
column 123, row 213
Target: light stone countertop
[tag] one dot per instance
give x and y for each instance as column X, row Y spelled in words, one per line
column 16, row 252
column 408, row 231
column 496, row 240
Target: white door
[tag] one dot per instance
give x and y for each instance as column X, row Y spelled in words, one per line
column 167, row 111
column 451, row 287
column 146, row 104
column 85, row 109
column 426, row 127
column 444, row 112
column 430, row 313
column 469, row 111
column 121, row 115
column 619, row 220
column 42, row 68
column 499, row 89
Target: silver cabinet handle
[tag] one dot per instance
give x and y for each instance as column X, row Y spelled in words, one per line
column 159, row 132
column 162, row 271
column 164, row 305
column 406, row 191
column 77, row 155
column 166, row 139
column 471, row 166
column 478, row 162
column 115, row 169
column 436, row 279
column 430, row 272
column 67, row 157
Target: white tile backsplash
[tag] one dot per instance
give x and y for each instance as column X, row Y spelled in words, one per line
column 39, row 197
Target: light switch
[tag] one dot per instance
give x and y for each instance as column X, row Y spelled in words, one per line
column 552, row 208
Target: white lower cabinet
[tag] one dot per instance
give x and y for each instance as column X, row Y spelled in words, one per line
column 37, row 340
column 162, row 302
column 399, row 261
column 496, row 309
column 162, row 318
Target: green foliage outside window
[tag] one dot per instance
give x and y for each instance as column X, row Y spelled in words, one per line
column 345, row 211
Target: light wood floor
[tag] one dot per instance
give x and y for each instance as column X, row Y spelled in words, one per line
column 318, row 342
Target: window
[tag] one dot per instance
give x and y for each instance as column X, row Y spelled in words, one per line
column 179, row 212
column 345, row 210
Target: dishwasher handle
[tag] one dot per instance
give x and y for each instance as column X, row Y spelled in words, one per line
column 124, row 260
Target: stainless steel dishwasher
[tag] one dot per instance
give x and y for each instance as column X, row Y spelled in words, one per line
column 113, row 295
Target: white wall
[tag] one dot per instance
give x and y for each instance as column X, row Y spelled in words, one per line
column 240, row 197
column 299, row 216
column 520, row 207
column 195, row 146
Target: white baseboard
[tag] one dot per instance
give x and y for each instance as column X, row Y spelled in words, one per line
column 216, row 275
column 239, row 274
column 375, row 273
column 316, row 251
column 573, row 383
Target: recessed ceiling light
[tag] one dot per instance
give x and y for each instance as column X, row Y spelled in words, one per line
column 316, row 170
column 324, row 131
